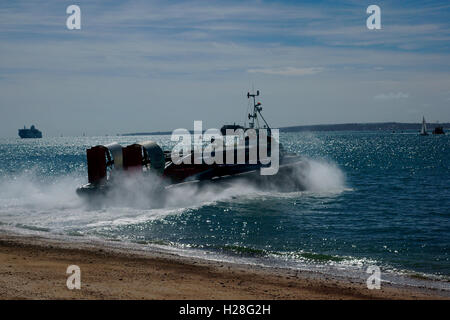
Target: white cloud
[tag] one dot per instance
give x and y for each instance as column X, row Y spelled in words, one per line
column 392, row 96
column 287, row 71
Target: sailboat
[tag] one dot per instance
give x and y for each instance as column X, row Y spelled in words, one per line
column 423, row 131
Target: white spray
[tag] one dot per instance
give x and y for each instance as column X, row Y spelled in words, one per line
column 27, row 200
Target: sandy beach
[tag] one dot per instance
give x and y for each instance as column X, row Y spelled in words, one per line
column 32, row 267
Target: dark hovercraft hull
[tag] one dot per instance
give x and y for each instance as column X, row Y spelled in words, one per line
column 217, row 174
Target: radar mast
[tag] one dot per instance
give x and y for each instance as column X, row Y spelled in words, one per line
column 256, row 110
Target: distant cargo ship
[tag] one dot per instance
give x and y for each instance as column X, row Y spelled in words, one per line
column 30, row 133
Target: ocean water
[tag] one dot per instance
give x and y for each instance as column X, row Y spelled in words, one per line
column 372, row 198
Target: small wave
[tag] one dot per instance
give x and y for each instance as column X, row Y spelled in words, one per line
column 32, row 228
column 134, row 219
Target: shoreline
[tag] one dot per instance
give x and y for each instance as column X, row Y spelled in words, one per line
column 34, row 267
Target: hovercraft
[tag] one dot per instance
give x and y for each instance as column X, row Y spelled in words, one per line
column 250, row 152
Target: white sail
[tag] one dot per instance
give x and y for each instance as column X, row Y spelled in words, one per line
column 424, row 127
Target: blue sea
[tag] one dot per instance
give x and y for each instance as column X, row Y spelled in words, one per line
column 371, row 198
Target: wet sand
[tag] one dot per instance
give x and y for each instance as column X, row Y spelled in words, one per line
column 33, row 267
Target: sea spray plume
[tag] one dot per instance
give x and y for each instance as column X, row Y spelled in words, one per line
column 29, row 199
column 133, row 189
column 320, row 176
column 33, row 202
column 141, row 198
column 306, row 175
column 28, row 190
column 316, row 175
column 148, row 190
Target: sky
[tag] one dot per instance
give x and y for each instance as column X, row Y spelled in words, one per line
column 139, row 66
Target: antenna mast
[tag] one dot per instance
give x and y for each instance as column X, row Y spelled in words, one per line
column 256, row 110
